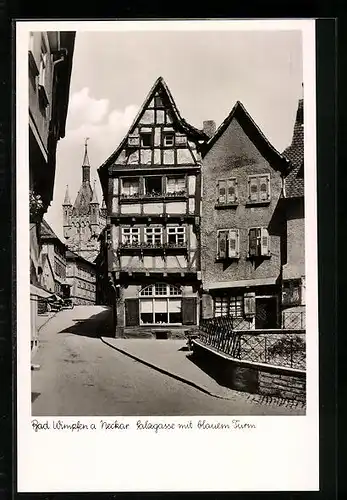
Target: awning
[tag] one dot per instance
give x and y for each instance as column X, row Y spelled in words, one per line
column 240, row 284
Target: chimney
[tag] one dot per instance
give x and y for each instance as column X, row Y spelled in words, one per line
column 209, row 128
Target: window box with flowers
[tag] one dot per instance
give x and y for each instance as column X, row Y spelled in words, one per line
column 36, row 207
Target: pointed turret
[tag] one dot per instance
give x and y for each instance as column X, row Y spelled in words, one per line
column 86, row 164
column 67, row 201
column 67, row 212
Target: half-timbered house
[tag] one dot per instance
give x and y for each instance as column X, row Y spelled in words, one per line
column 152, row 184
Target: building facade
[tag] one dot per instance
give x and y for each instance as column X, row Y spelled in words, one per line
column 50, row 56
column 53, row 262
column 152, row 184
column 293, row 206
column 84, row 220
column 81, row 277
column 50, row 64
column 241, row 230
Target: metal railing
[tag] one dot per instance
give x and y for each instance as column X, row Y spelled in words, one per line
column 280, row 347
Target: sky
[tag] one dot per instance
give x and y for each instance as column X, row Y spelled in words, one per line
column 206, row 72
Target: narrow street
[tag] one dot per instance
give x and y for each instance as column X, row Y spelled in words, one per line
column 80, row 375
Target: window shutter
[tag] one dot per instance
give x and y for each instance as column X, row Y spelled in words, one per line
column 232, row 191
column 264, row 188
column 253, row 243
column 233, row 243
column 131, row 312
column 222, row 244
column 222, row 192
column 265, row 242
column 253, row 189
column 188, row 310
column 249, row 304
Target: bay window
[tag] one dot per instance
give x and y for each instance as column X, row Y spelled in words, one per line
column 160, row 304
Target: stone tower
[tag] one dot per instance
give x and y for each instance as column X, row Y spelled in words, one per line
column 83, row 221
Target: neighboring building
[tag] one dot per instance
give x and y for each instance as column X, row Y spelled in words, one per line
column 293, row 291
column 50, row 64
column 243, row 179
column 50, row 57
column 152, row 184
column 81, row 276
column 83, row 222
column 53, row 262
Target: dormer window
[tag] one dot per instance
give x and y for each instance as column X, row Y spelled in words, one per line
column 146, row 139
column 158, row 102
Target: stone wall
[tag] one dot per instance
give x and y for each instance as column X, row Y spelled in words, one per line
column 251, row 377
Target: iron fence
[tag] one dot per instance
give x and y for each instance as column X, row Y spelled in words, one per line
column 280, row 347
column 294, row 320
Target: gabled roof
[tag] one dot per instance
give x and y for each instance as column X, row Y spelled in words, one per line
column 47, row 232
column 159, row 86
column 294, row 182
column 252, row 130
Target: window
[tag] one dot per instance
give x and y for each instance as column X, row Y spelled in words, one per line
column 146, row 139
column 153, row 236
column 130, row 236
column 227, row 192
column 160, row 304
column 176, row 236
column 292, row 293
column 130, row 188
column 259, row 188
column 231, row 306
column 158, row 102
column 169, row 139
column 259, row 242
column 228, row 244
column 176, row 186
column 153, row 186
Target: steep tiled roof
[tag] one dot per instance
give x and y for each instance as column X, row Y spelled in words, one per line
column 249, row 126
column 83, row 199
column 47, row 232
column 70, row 255
column 294, row 182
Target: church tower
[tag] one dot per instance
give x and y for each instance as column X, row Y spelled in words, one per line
column 67, row 212
column 84, row 220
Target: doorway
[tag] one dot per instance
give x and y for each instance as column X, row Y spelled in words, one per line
column 265, row 313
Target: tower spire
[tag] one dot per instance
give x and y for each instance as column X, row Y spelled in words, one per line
column 86, row 164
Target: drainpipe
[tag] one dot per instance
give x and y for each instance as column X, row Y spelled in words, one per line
column 63, row 54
